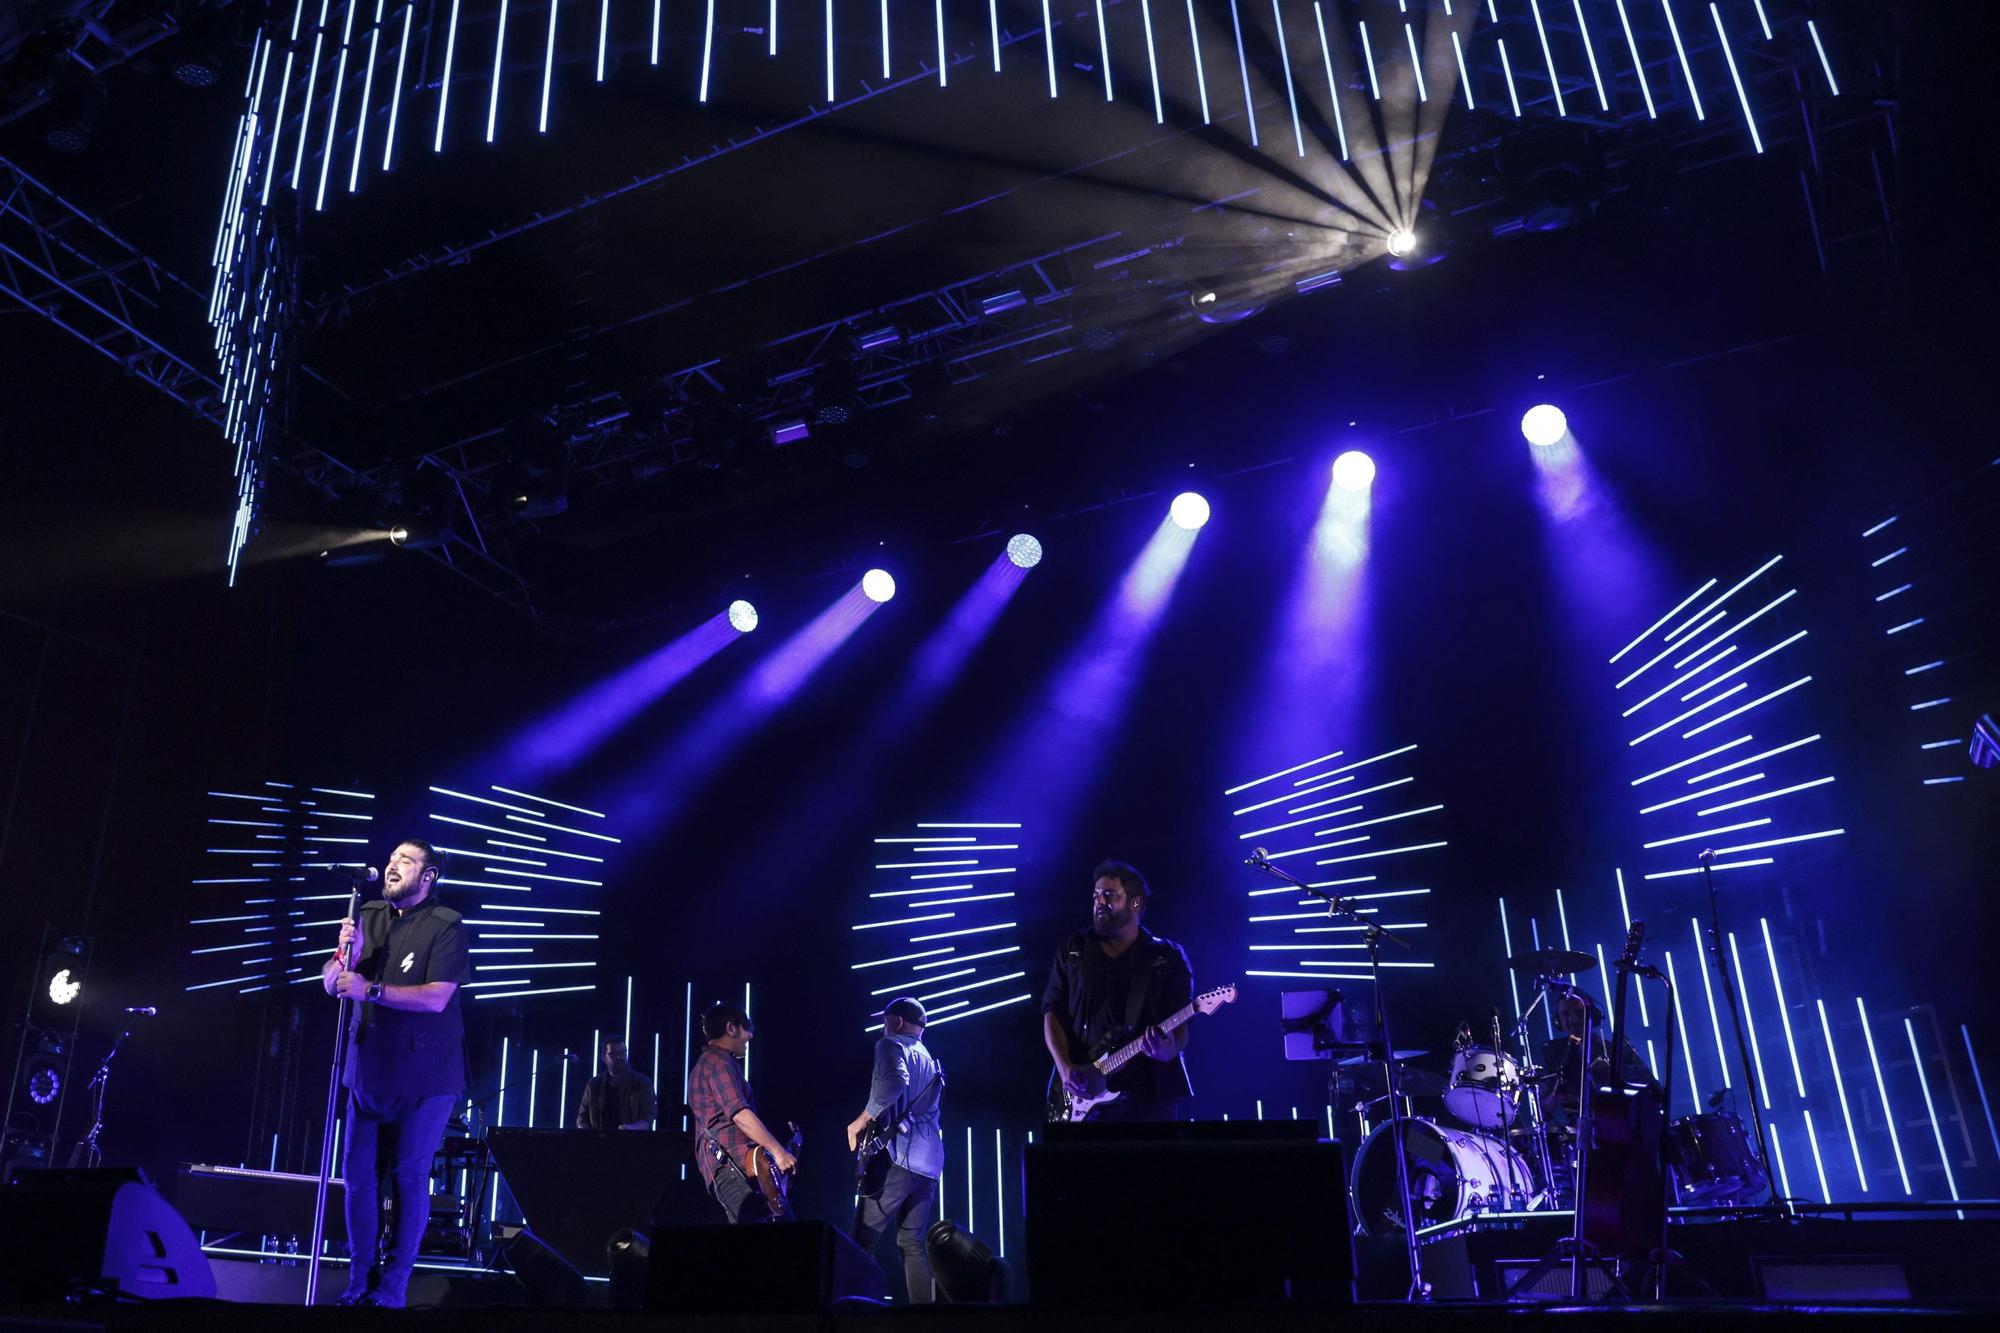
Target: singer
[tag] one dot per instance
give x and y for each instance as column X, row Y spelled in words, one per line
column 1111, row 982
column 405, row 1062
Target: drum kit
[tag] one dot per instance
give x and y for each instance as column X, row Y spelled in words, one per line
column 1504, row 1153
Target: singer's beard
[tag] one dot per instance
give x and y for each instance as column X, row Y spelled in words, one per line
column 1107, row 924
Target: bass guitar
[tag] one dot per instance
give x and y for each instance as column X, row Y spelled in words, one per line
column 770, row 1180
column 1065, row 1106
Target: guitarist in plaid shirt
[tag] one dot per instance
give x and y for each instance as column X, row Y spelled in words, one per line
column 725, row 1117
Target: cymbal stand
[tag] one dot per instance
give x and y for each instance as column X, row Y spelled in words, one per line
column 1538, row 1125
column 326, row 1164
column 1372, row 935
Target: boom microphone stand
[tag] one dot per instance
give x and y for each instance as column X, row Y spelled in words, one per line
column 1372, row 935
column 340, row 1038
column 1750, row 1085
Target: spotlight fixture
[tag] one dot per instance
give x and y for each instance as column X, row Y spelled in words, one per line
column 1024, row 550
column 62, row 988
column 1544, row 425
column 1353, row 471
column 44, row 1083
column 878, row 585
column 742, row 616
column 418, row 534
column 1189, row 511
column 1402, row 241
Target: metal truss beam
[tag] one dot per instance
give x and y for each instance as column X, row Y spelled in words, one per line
column 67, row 266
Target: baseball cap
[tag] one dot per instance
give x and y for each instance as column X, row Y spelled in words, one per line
column 906, row 1008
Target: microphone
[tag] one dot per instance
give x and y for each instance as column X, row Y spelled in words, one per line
column 143, row 1010
column 1706, row 857
column 1258, row 857
column 359, row 874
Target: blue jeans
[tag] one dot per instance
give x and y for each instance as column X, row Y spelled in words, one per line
column 906, row 1201
column 393, row 1141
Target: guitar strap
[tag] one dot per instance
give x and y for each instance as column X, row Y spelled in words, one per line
column 1135, row 1004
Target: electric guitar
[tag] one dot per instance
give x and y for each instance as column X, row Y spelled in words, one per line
column 1065, row 1106
column 770, row 1179
column 872, row 1140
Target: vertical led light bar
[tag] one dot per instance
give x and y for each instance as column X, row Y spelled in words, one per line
column 1840, row 1090
column 1000, row 1192
column 437, row 144
column 1819, row 1163
column 1243, row 65
column 1507, row 71
column 1882, row 1091
column 1285, row 59
column 312, row 92
column 1681, row 1023
column 1464, row 75
column 1742, row 96
column 1639, row 68
column 1826, row 66
column 707, row 48
column 771, row 23
column 1590, row 53
column 499, row 47
column 1687, row 70
column 603, row 32
column 534, row 1081
column 1103, row 50
column 367, row 99
column 653, row 56
column 1416, row 62
column 1749, row 1021
column 1979, row 1084
column 993, row 28
column 1368, row 57
column 1152, row 62
column 829, row 52
column 971, row 1213
column 278, row 124
column 656, row 1078
column 1784, row 1011
column 1201, row 75
column 1548, row 57
column 1507, row 943
column 1332, row 96
column 1708, row 986
column 1048, row 46
column 885, row 38
column 549, row 65
column 396, row 93
column 1930, row 1109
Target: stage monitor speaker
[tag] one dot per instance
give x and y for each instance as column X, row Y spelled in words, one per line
column 1833, row 1278
column 578, row 1187
column 774, row 1268
column 110, row 1229
column 1227, row 1215
column 546, row 1277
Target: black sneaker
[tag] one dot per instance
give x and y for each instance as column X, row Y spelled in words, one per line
column 352, row 1296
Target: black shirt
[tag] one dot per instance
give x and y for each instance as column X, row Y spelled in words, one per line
column 611, row 1101
column 396, row 1054
column 1091, row 994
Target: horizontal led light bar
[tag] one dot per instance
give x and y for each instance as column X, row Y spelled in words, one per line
column 903, row 921
column 973, row 930
column 899, row 958
column 965, row 957
column 543, row 800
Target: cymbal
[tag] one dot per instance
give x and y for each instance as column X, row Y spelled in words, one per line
column 1401, row 1057
column 1411, row 1082
column 1552, row 962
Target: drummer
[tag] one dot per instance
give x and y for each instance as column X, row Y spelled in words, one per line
column 1564, row 1054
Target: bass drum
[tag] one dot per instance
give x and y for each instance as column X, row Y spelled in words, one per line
column 1713, row 1160
column 1453, row 1173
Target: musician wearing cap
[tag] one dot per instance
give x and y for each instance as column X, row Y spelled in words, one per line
column 900, row 1138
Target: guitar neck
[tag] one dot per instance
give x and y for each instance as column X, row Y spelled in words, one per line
column 1125, row 1054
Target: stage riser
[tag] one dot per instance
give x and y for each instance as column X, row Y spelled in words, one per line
column 1802, row 1262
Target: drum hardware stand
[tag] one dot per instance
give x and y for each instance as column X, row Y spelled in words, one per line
column 1729, row 995
column 1372, row 934
column 340, row 1040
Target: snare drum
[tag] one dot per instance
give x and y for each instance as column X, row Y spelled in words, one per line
column 1484, row 1088
column 1712, row 1160
column 1453, row 1173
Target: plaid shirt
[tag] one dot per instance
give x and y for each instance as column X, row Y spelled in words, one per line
column 717, row 1090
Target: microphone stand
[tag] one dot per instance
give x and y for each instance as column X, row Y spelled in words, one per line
column 1736, row 1020
column 340, row 1039
column 86, row 1152
column 1373, row 934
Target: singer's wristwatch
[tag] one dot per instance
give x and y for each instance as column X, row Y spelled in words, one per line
column 374, row 992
